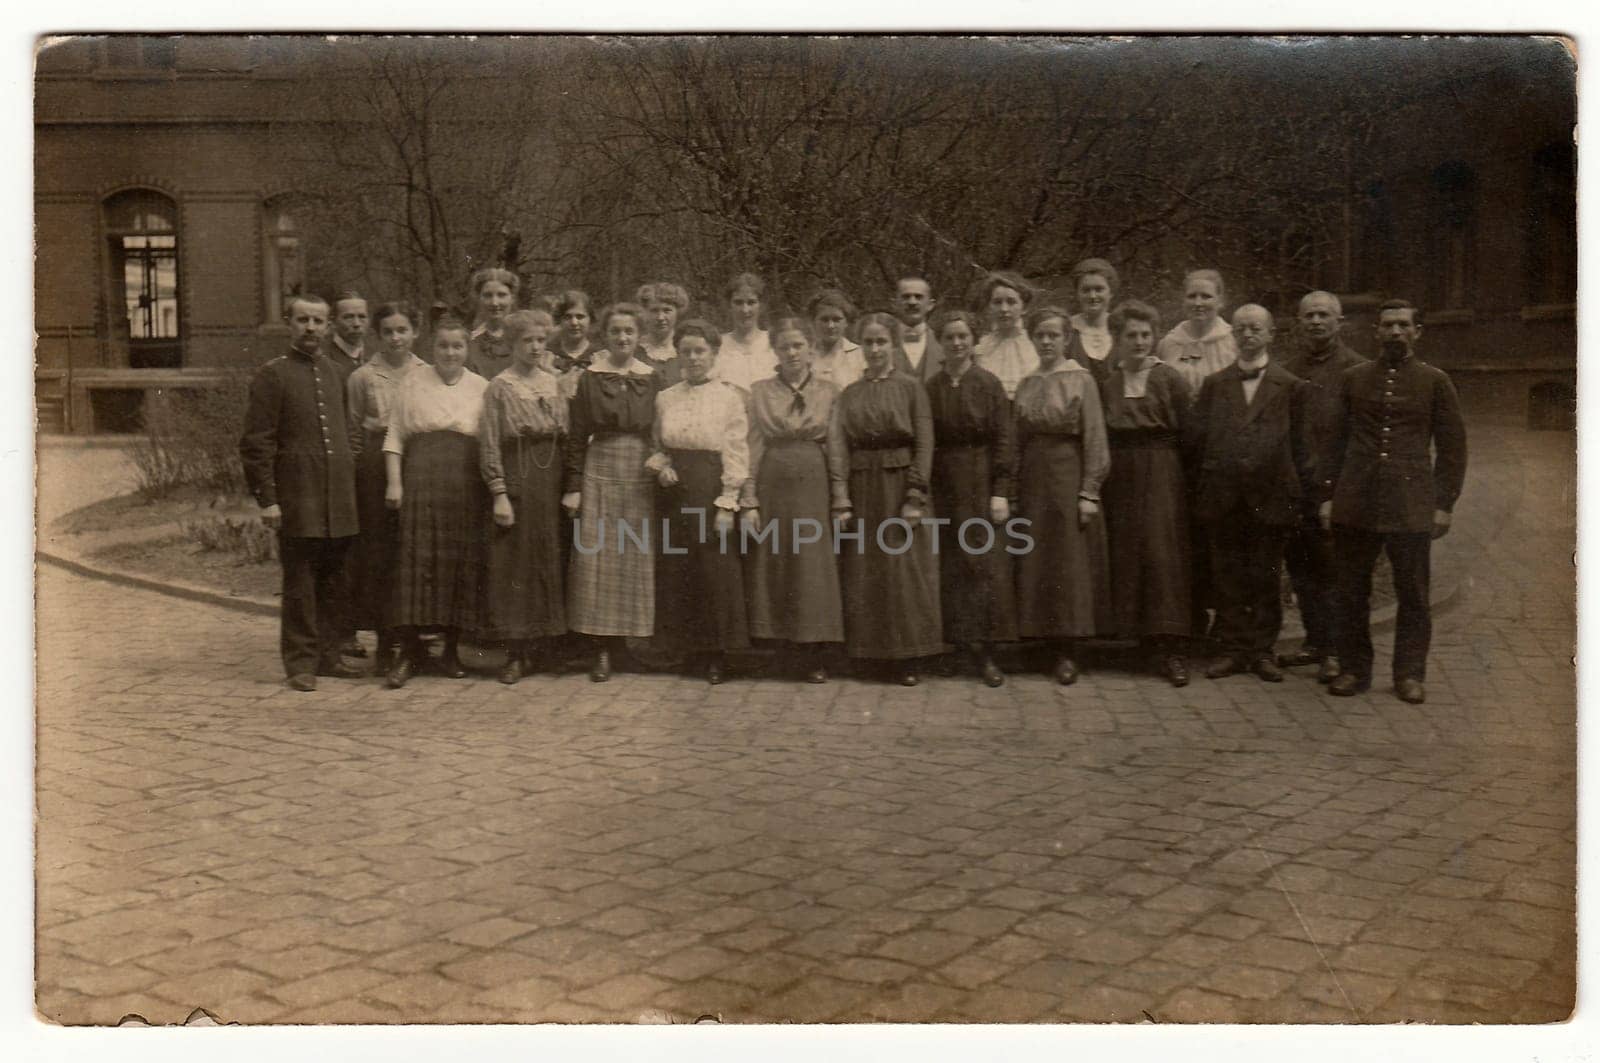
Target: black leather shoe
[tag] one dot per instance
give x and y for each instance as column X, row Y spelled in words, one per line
column 992, row 675
column 1329, row 670
column 1346, row 685
column 1303, row 656
column 1410, row 691
column 818, row 674
column 340, row 670
column 1267, row 669
column 353, row 648
column 602, row 667
column 512, row 671
column 404, row 668
column 908, row 677
column 1065, row 672
column 1222, row 667
column 714, row 673
column 1176, row 669
column 450, row 667
column 302, row 681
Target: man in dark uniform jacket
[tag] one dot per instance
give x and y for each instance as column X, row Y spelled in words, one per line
column 1381, row 491
column 1320, row 361
column 1248, row 440
column 296, row 454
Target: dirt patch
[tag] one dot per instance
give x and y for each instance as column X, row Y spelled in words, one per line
column 127, row 512
column 178, row 558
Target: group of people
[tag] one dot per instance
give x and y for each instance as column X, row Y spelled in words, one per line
column 901, row 483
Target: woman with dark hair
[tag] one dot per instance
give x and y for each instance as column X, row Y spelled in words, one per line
column 701, row 461
column 524, row 422
column 370, row 397
column 1146, row 404
column 611, row 578
column 490, row 349
column 1062, row 592
column 431, row 460
column 572, row 349
column 974, row 470
column 792, row 580
column 746, row 354
column 1006, row 351
column 882, row 431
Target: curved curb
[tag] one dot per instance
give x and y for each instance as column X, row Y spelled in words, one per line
column 188, row 591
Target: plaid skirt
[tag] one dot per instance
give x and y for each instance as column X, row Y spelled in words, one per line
column 611, row 579
column 439, row 575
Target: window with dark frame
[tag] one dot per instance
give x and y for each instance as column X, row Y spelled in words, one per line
column 142, row 231
column 283, row 257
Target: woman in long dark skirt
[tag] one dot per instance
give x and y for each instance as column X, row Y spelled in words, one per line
column 1146, row 403
column 431, row 458
column 371, row 396
column 974, row 471
column 611, row 576
column 1062, row 582
column 882, row 432
column 524, row 422
column 701, row 461
column 792, row 575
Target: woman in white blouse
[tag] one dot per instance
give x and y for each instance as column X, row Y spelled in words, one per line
column 431, row 461
column 701, row 460
column 1005, row 350
column 1203, row 342
column 836, row 359
column 745, row 355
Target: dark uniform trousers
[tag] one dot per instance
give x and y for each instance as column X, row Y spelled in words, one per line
column 1385, row 486
column 1254, row 472
column 1356, row 554
column 313, row 622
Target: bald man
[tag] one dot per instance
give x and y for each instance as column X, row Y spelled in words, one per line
column 1247, row 436
column 1320, row 360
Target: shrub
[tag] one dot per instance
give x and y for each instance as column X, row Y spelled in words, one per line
column 247, row 537
column 191, row 439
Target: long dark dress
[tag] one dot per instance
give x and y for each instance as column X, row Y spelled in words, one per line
column 974, row 460
column 371, row 564
column 524, row 423
column 444, row 506
column 1062, row 581
column 702, row 434
column 792, row 585
column 1146, row 502
column 611, row 577
column 882, row 429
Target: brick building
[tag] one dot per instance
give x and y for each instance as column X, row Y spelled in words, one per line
column 168, row 237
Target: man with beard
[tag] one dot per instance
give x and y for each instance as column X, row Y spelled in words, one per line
column 1383, row 491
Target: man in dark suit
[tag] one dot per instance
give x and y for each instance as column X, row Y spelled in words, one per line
column 1248, row 439
column 920, row 354
column 1320, row 361
column 296, row 455
column 1382, row 491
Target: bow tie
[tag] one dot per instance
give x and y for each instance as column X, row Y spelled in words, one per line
column 1253, row 374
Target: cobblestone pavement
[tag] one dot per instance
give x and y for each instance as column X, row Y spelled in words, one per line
column 657, row 850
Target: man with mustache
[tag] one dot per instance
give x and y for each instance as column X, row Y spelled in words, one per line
column 1383, row 491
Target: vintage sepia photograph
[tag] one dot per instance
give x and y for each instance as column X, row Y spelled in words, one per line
column 784, row 529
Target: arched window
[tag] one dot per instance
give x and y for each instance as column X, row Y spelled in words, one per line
column 141, row 226
column 283, row 258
